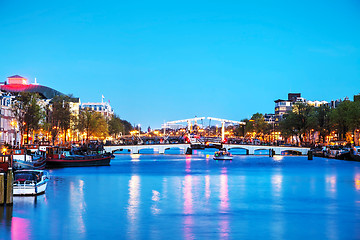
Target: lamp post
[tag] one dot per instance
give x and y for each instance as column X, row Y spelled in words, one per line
column 13, row 124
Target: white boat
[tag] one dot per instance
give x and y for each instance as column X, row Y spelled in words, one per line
column 30, row 182
column 222, row 155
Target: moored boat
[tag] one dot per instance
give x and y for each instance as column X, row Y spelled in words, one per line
column 223, row 155
column 30, row 182
column 58, row 157
column 5, row 162
column 355, row 153
column 27, row 159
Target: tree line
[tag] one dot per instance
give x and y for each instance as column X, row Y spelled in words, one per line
column 304, row 121
column 56, row 119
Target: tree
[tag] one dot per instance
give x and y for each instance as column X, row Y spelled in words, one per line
column 60, row 116
column 300, row 121
column 345, row 118
column 240, row 129
column 93, row 124
column 323, row 125
column 257, row 124
column 340, row 118
column 127, row 127
column 27, row 113
column 115, row 126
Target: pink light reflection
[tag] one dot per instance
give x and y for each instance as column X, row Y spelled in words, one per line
column 188, row 207
column 224, row 204
column 188, row 164
column 207, row 187
column 20, row 228
column 224, row 191
column 188, row 201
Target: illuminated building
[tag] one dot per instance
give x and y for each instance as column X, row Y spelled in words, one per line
column 16, row 84
column 9, row 89
column 281, row 107
column 8, row 126
column 104, row 108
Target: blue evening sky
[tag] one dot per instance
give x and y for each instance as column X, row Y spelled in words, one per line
column 170, row 60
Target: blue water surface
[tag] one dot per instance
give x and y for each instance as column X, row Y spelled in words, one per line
column 146, row 196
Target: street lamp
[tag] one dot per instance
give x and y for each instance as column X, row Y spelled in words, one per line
column 13, row 124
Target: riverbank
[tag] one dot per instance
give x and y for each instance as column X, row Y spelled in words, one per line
column 156, row 196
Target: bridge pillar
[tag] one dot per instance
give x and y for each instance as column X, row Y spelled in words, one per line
column 161, row 150
column 250, row 151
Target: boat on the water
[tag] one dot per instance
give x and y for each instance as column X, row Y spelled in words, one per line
column 5, row 162
column 223, row 155
column 28, row 159
column 355, row 153
column 58, row 157
column 30, row 182
column 337, row 151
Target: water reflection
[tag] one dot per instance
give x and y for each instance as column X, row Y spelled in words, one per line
column 186, row 197
column 6, row 214
column 20, row 228
column 224, row 223
column 188, row 164
column 155, row 198
column 331, row 208
column 276, row 182
column 188, row 207
column 331, row 185
column 207, row 187
column 78, row 204
column 357, row 181
column 278, row 158
column 133, row 203
column 278, row 205
column 135, row 157
column 224, row 191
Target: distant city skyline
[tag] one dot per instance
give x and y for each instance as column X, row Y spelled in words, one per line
column 160, row 61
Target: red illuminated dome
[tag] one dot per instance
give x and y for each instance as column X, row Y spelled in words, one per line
column 16, row 84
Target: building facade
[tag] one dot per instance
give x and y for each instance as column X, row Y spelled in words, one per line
column 9, row 132
column 104, row 108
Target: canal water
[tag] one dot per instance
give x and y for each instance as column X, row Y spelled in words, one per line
column 193, row 197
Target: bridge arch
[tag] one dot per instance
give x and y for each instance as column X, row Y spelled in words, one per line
column 121, row 150
column 148, row 150
column 261, row 151
column 174, row 150
column 238, row 148
column 290, row 152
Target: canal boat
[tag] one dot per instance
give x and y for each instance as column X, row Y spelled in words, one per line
column 338, row 152
column 30, row 182
column 355, row 153
column 223, row 155
column 5, row 162
column 27, row 159
column 58, row 157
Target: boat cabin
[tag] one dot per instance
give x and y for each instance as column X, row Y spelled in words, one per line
column 57, row 152
column 5, row 162
column 28, row 176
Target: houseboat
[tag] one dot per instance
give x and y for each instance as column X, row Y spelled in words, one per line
column 27, row 159
column 58, row 157
column 5, row 162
